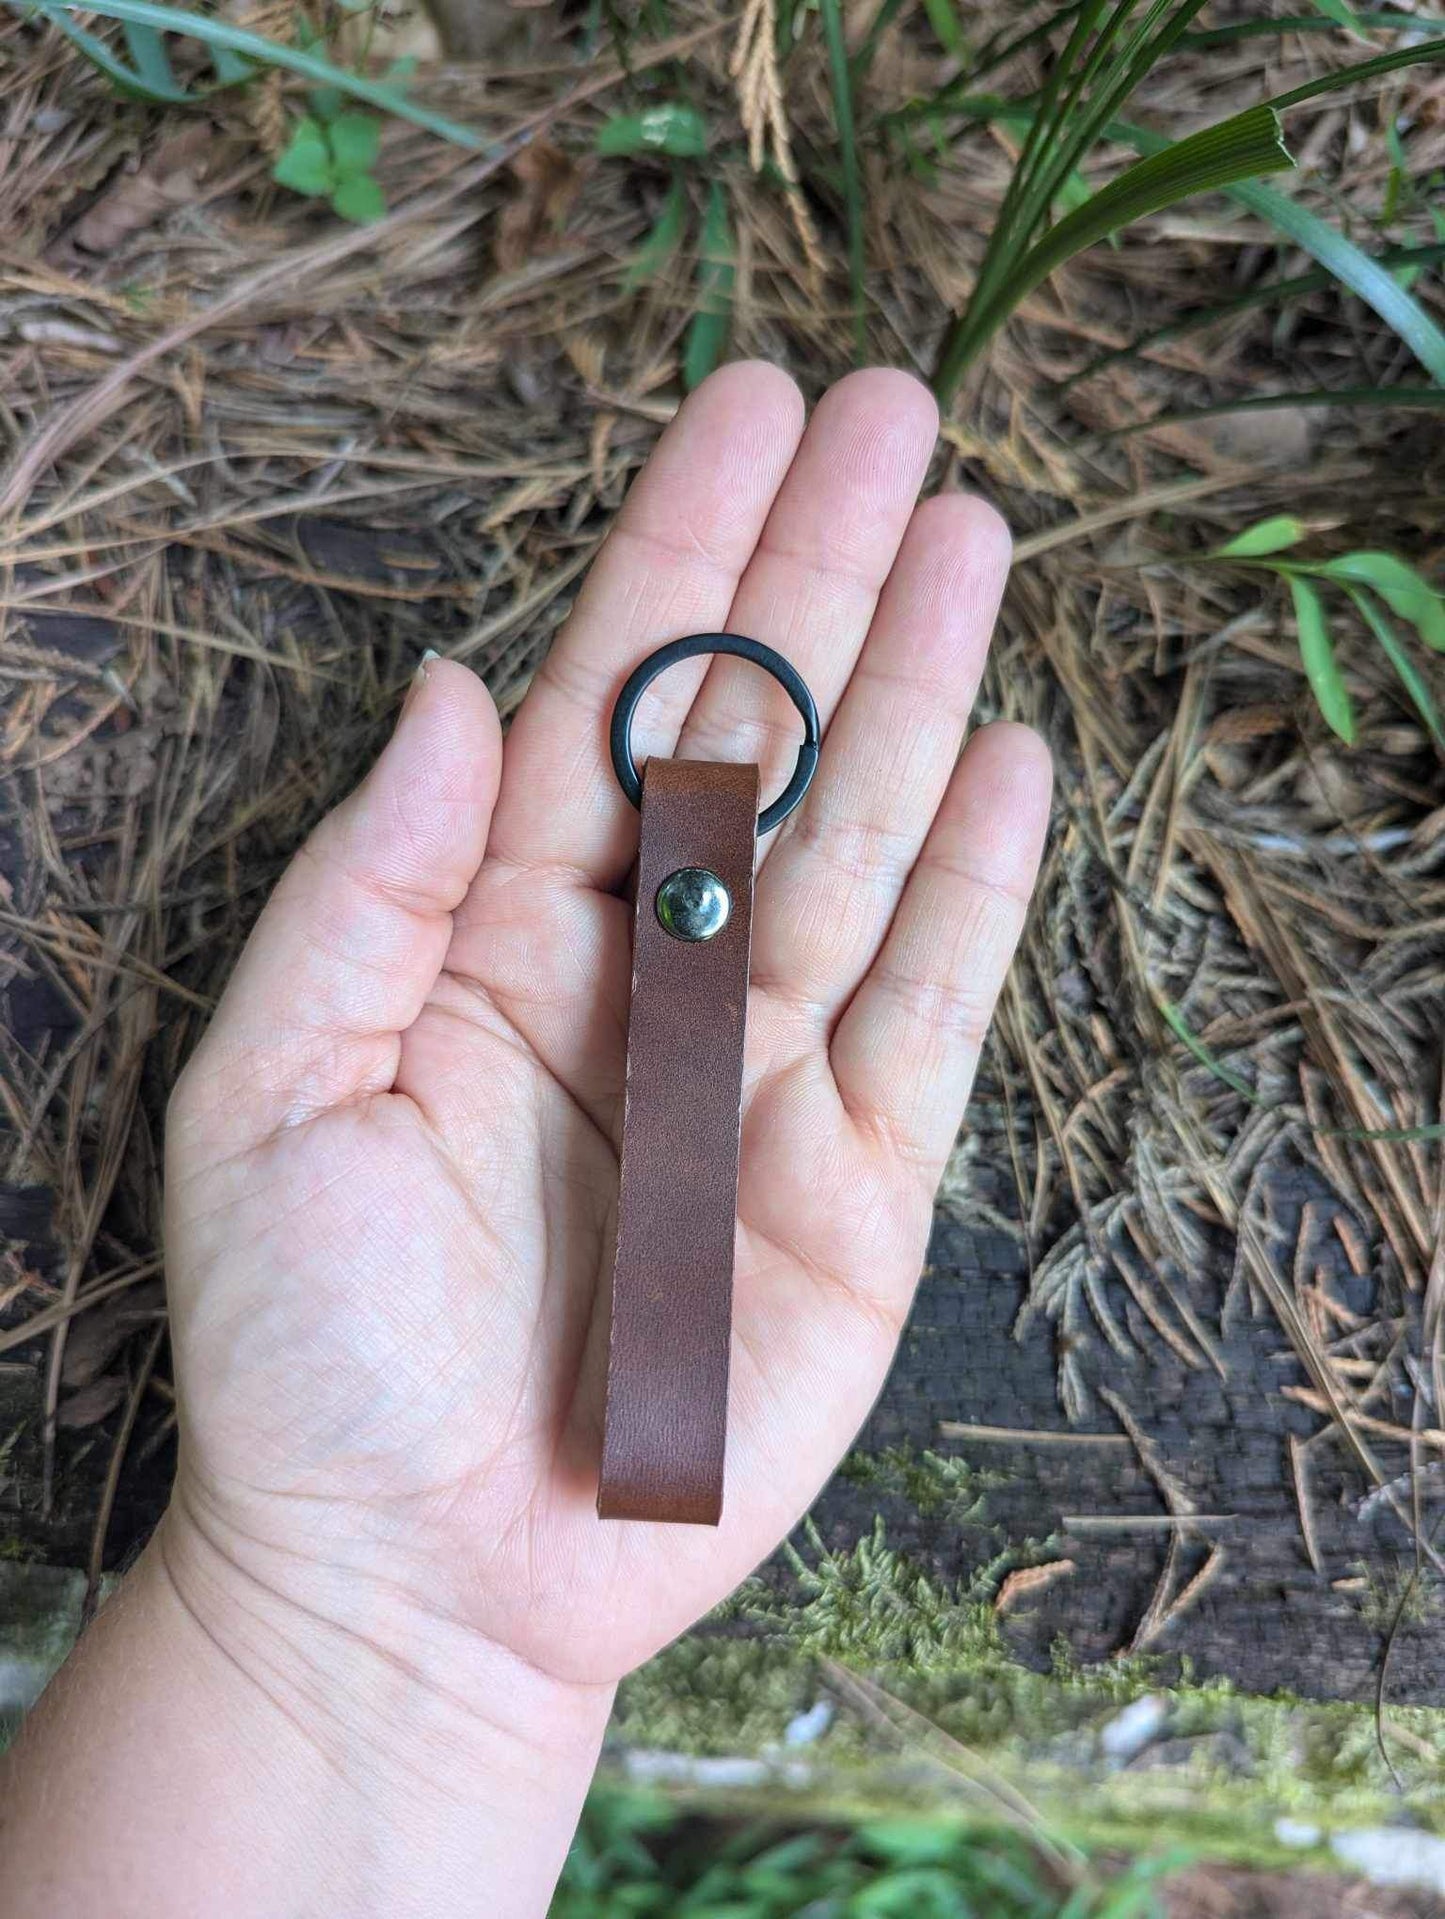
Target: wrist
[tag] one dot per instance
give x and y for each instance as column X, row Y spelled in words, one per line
column 448, row 1760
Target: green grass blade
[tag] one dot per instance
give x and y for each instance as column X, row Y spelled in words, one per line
column 148, row 52
column 1189, row 1039
column 1348, row 264
column 1352, row 267
column 1317, row 654
column 1387, row 21
column 863, row 59
column 708, row 331
column 947, row 27
column 841, row 81
column 314, row 67
column 1149, row 43
column 1409, row 674
column 1248, row 144
column 1271, row 293
column 125, row 79
column 662, row 242
column 1427, row 399
column 1362, row 70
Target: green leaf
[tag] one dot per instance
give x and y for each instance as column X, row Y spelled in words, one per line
column 911, row 1892
column 124, row 79
column 908, row 1842
column 1352, row 267
column 359, row 198
column 708, row 332
column 219, row 35
column 1406, row 592
column 671, row 127
column 355, row 141
column 305, row 166
column 841, row 81
column 1249, row 143
column 152, row 62
column 1409, row 56
column 231, row 69
column 1404, row 262
column 1318, row 656
column 1267, row 536
column 947, row 27
column 660, row 245
column 1188, row 1038
column 1409, row 674
column 1342, row 14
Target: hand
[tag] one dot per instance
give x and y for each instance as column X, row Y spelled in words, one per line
column 392, row 1162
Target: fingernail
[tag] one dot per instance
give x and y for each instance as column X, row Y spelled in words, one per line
column 419, row 677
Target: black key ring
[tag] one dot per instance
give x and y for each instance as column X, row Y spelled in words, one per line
column 788, row 677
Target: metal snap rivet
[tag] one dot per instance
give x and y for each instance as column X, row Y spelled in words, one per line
column 693, row 904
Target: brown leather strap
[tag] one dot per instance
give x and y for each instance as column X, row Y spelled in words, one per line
column 667, row 1372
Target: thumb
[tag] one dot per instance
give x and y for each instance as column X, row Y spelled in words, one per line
column 352, row 940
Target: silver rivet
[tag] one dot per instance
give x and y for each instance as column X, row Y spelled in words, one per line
column 693, row 904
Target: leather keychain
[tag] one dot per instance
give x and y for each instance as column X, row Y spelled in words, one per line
column 667, row 1365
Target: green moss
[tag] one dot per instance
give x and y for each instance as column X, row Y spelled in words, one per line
column 1235, row 1763
column 947, row 1490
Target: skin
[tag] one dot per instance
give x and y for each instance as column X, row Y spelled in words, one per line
column 366, row 1663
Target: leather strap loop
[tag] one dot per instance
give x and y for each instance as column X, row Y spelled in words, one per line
column 667, row 1374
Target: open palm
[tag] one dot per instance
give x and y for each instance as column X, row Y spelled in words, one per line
column 393, row 1159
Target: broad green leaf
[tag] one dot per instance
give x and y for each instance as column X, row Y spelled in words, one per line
column 1317, row 654
column 306, row 166
column 1409, row 674
column 1267, row 536
column 707, row 334
column 355, row 140
column 1342, row 14
column 359, row 198
column 1248, row 144
column 1404, row 591
column 671, row 127
column 660, row 245
column 216, row 34
column 947, row 27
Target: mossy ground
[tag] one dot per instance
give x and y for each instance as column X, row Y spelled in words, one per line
column 1224, row 1767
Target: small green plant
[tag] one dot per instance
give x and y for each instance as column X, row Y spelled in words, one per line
column 330, row 157
column 1380, row 586
column 636, row 1854
column 1108, row 50
column 236, row 55
column 676, row 131
column 939, row 1487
